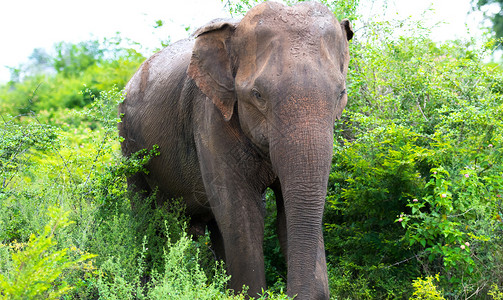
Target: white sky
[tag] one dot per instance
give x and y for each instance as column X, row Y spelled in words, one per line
column 29, row 24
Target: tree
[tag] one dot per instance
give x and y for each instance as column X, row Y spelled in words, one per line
column 496, row 18
column 71, row 59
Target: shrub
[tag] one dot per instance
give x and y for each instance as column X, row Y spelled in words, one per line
column 495, row 292
column 36, row 268
column 183, row 277
column 426, row 289
column 416, row 107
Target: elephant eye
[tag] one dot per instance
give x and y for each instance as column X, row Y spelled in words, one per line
column 256, row 94
column 342, row 93
column 260, row 102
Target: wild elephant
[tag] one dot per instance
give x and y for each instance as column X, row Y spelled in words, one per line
column 239, row 107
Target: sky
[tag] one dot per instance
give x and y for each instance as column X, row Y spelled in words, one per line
column 29, row 24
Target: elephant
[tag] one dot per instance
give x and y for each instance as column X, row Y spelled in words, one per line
column 239, row 107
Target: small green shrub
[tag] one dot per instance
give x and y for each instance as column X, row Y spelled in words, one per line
column 37, row 267
column 495, row 292
column 435, row 228
column 183, row 277
column 425, row 289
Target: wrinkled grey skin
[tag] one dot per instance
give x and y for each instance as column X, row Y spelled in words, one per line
column 243, row 106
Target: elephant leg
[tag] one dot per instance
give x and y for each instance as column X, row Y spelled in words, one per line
column 139, row 188
column 280, row 218
column 242, row 227
column 217, row 241
column 239, row 214
column 235, row 176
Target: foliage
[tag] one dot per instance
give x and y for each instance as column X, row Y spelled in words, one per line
column 495, row 292
column 183, row 277
column 496, row 18
column 426, row 289
column 418, row 148
column 71, row 59
column 50, row 82
column 17, row 141
column 37, row 265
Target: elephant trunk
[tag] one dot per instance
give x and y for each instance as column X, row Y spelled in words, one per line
column 302, row 161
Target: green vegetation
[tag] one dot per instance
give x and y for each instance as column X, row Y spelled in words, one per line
column 417, row 178
column 494, row 14
column 414, row 205
column 426, row 289
column 50, row 83
column 37, row 265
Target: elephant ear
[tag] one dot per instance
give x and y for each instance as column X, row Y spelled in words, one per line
column 210, row 66
column 347, row 29
column 340, row 106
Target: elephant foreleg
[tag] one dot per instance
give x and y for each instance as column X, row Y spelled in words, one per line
column 235, row 176
column 280, row 218
column 241, row 223
column 139, row 189
column 217, row 241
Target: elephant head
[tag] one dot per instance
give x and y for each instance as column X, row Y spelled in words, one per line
column 282, row 71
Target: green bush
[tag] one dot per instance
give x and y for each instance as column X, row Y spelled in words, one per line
column 426, row 289
column 183, row 277
column 423, row 121
column 94, row 65
column 35, row 269
column 495, row 292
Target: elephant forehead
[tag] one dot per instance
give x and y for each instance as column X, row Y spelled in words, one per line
column 268, row 11
column 301, row 28
column 306, row 17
